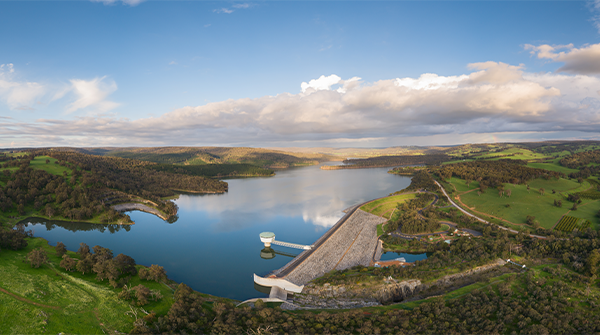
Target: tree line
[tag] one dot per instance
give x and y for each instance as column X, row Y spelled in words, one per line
column 494, row 173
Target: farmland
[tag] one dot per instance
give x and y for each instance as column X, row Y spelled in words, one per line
column 569, row 223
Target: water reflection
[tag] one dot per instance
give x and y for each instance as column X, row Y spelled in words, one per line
column 215, row 247
column 76, row 226
column 269, row 253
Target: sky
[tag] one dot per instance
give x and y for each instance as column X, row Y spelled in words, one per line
column 297, row 73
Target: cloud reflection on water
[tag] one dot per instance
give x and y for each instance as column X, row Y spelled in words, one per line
column 317, row 196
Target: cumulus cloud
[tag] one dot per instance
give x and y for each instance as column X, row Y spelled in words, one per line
column 18, row 94
column 493, row 97
column 584, row 60
column 92, row 93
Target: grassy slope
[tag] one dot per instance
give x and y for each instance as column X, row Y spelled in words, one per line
column 553, row 166
column 40, row 163
column 523, row 202
column 370, row 207
column 81, row 303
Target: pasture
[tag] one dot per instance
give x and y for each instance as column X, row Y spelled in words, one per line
column 51, row 300
column 381, row 206
column 523, row 202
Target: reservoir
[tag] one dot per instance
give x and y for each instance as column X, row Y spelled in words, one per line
column 214, row 246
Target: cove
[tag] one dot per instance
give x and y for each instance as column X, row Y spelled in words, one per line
column 214, row 246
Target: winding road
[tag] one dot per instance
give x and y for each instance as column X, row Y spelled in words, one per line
column 480, row 219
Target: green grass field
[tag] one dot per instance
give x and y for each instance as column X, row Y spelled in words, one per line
column 461, row 185
column 520, row 154
column 67, row 302
column 39, row 163
column 553, row 166
column 523, row 203
column 388, row 202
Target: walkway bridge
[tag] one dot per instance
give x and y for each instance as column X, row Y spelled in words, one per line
column 268, row 238
column 292, row 245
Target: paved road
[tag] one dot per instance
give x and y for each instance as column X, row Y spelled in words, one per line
column 480, row 219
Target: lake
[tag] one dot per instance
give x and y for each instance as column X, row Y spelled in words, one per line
column 214, row 246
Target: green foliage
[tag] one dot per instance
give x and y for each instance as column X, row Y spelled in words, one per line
column 214, row 170
column 569, row 223
column 384, row 161
column 581, row 159
column 493, row 173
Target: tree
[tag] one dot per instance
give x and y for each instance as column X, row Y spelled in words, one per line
column 83, row 251
column 591, row 262
column 84, row 265
column 37, row 257
column 144, row 273
column 574, row 208
column 100, row 269
column 530, row 219
column 157, row 273
column 68, row 263
column 141, row 293
column 61, row 249
column 125, row 264
column 102, row 254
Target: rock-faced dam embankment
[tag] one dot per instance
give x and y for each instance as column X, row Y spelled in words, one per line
column 351, row 241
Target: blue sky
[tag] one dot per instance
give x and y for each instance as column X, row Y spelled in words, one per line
column 77, row 73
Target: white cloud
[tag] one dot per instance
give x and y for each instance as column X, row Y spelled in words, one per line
column 493, row 98
column 594, row 6
column 18, row 94
column 322, row 83
column 92, row 93
column 173, row 63
column 223, row 11
column 131, row 3
column 584, row 60
column 242, row 5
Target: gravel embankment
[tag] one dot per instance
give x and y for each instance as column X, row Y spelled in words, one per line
column 355, row 242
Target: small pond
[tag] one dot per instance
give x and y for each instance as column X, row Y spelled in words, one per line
column 390, row 256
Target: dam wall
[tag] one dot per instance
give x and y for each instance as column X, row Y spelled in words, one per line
column 352, row 241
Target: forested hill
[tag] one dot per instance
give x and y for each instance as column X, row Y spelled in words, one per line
column 68, row 185
column 212, row 155
column 387, row 161
column 495, row 172
column 132, row 176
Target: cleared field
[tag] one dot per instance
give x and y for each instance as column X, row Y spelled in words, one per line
column 40, row 163
column 523, row 203
column 552, row 167
column 519, row 154
column 461, row 185
column 560, row 185
column 394, row 200
column 50, row 300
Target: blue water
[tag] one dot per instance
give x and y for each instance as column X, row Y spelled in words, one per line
column 214, row 246
column 388, row 256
